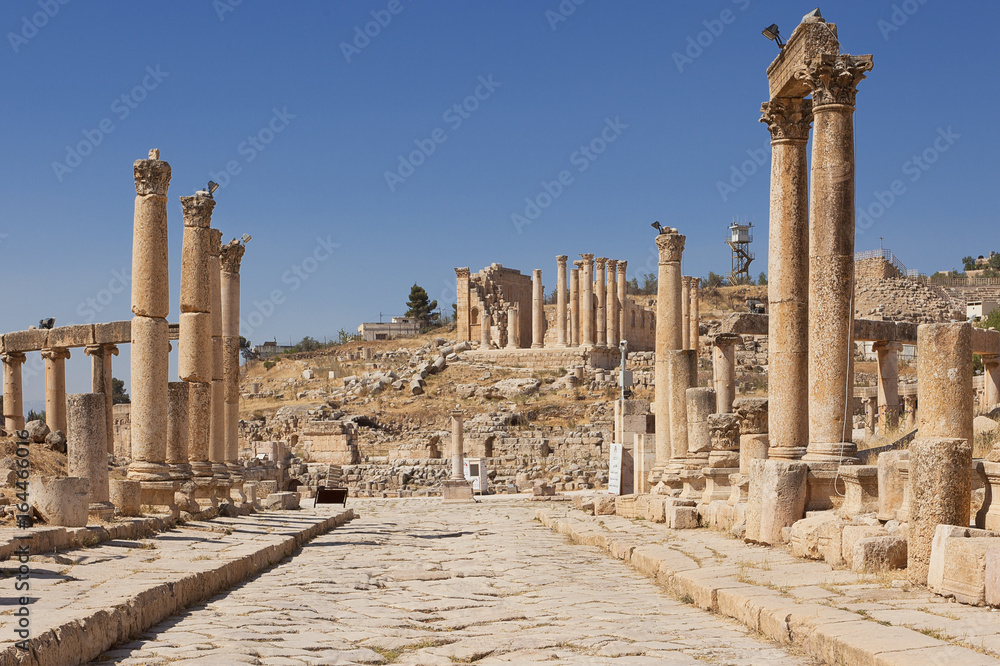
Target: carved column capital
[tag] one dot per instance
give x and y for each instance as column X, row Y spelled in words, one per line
column 787, row 118
column 462, row 272
column 215, row 244
column 622, row 264
column 612, row 265
column 13, row 357
column 101, row 350
column 587, row 258
column 55, row 353
column 152, row 176
column 834, row 78
column 578, row 263
column 561, row 260
column 600, row 261
column 671, row 247
column 231, row 255
column 198, row 209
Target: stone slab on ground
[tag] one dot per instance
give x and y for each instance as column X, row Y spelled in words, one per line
column 84, row 601
column 832, row 614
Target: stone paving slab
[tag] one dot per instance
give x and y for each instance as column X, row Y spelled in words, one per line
column 416, row 581
column 84, row 601
column 834, row 615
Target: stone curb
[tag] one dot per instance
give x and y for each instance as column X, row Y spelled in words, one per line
column 81, row 639
column 829, row 634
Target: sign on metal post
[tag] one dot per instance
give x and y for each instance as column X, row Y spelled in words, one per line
column 615, row 469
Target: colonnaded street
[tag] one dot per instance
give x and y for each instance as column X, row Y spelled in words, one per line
column 416, row 581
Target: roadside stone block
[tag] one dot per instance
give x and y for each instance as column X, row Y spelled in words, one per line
column 656, row 509
column 961, row 559
column 852, row 534
column 682, row 517
column 604, row 505
column 878, row 553
column 282, row 501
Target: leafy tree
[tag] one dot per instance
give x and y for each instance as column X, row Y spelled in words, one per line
column 307, row 344
column 343, row 337
column 713, row 280
column 969, row 263
column 35, row 416
column 995, row 261
column 118, row 394
column 762, row 279
column 650, row 283
column 553, row 297
column 246, row 350
column 420, row 307
column 632, row 285
column 992, row 320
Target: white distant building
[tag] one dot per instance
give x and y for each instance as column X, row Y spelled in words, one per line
column 399, row 327
column 978, row 309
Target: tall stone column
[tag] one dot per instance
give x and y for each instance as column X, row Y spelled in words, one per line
column 833, row 80
column 685, row 312
column 668, row 337
column 13, row 397
column 86, row 450
column 484, row 330
column 991, row 381
column 587, row 301
column 178, row 429
column 217, row 432
column 724, row 371
column 944, row 381
column 694, row 314
column 537, row 310
column 195, row 353
column 574, row 304
column 462, row 322
column 230, row 257
column 55, row 388
column 100, row 382
column 612, row 305
column 561, row 301
column 622, row 300
column 600, row 318
column 683, row 370
column 888, row 383
column 512, row 327
column 457, row 445
column 788, row 120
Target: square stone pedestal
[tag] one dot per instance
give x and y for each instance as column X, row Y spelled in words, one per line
column 693, row 484
column 989, row 516
column 717, row 483
column 822, row 484
column 160, row 496
column 204, row 492
column 222, row 488
column 861, row 490
column 101, row 511
column 456, row 490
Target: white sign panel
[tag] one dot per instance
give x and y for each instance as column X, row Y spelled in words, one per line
column 615, row 469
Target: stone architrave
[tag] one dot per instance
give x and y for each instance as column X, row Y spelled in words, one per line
column 833, row 81
column 561, row 310
column 587, row 301
column 693, row 314
column 462, row 321
column 788, row 120
column 685, row 312
column 100, row 382
column 724, row 370
column 574, row 304
column 150, row 351
column 230, row 256
column 55, row 388
column 537, row 310
column 888, row 384
column 622, row 300
column 611, row 299
column 670, row 247
column 86, row 449
column 600, row 316
column 13, row 401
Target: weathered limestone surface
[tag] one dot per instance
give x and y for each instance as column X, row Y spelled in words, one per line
column 561, row 310
column 668, row 310
column 777, row 499
column 944, row 381
column 87, row 444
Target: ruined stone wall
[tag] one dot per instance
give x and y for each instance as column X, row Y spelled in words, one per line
column 875, row 269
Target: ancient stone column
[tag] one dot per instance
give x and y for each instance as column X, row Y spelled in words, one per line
column 574, row 304
column 217, row 431
column 869, row 418
column 685, row 312
column 622, row 300
column 888, row 384
column 55, row 388
column 683, row 374
column 87, row 449
column 512, row 327
column 230, row 256
column 462, row 304
column 587, row 301
column 150, row 352
column 788, row 121
column 991, row 381
column 910, row 407
column 944, row 381
column 178, row 429
column 600, row 316
column 537, row 310
column 611, row 299
column 693, row 313
column 484, row 330
column 457, row 445
column 100, row 382
column 561, row 301
column 13, row 404
column 724, row 370
column 700, row 403
column 670, row 246
column 833, row 80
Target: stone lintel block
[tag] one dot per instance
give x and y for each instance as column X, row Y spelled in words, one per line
column 807, row 41
column 635, row 408
column 861, row 489
column 985, row 341
column 874, row 330
column 80, row 335
column 878, row 553
column 113, row 333
column 958, row 562
column 25, row 341
column 285, row 501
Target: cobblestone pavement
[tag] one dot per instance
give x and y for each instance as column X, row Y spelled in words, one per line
column 416, row 581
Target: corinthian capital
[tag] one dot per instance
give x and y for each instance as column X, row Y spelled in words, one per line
column 671, row 247
column 231, row 255
column 834, row 78
column 462, row 272
column 787, row 118
column 561, row 259
column 198, row 210
column 215, row 244
column 152, row 176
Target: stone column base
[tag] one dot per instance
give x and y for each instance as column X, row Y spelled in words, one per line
column 454, row 490
column 693, row 482
column 740, row 487
column 160, row 496
column 103, row 511
column 717, row 485
column 180, row 471
column 201, row 468
column 185, row 497
column 861, row 490
column 821, row 493
column 204, row 492
column 222, row 488
column 776, row 500
column 236, row 490
column 148, row 471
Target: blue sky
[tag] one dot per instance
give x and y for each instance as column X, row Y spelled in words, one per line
column 309, row 114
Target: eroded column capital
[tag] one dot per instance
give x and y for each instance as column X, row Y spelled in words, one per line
column 622, row 264
column 231, row 254
column 599, row 262
column 152, row 176
column 197, row 209
column 834, row 78
column 671, row 247
column 578, row 263
column 887, row 346
column 587, row 258
column 462, row 272
column 55, row 353
column 101, row 350
column 724, row 340
column 561, row 260
column 612, row 265
column 787, row 118
column 13, row 357
column 215, row 245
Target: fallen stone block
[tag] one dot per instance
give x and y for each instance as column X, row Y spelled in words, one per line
column 682, row 517
column 958, row 563
column 852, row 534
column 818, row 537
column 878, row 553
column 656, row 509
column 604, row 505
column 282, row 501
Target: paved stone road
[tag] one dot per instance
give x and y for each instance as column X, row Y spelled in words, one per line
column 418, row 582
